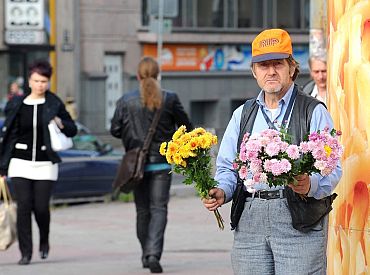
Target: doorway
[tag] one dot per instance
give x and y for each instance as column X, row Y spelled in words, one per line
column 113, row 84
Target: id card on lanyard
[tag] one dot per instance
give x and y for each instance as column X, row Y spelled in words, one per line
column 286, row 115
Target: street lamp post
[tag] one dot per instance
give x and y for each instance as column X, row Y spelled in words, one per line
column 160, row 38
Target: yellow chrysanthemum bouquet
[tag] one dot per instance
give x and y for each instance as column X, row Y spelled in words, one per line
column 189, row 153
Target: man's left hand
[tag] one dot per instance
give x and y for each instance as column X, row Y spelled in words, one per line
column 303, row 184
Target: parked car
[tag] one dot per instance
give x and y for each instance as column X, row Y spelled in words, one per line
column 87, row 169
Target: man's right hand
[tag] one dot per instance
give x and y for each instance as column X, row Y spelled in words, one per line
column 217, row 198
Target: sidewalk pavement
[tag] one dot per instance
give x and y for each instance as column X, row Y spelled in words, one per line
column 100, row 239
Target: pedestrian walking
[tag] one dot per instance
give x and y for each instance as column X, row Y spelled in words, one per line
column 27, row 158
column 131, row 121
column 317, row 86
column 265, row 241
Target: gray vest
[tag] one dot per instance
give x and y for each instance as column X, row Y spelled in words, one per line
column 305, row 213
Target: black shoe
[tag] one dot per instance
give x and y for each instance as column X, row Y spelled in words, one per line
column 44, row 251
column 145, row 262
column 24, row 260
column 44, row 254
column 154, row 265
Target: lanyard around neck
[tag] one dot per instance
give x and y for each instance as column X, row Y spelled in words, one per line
column 286, row 115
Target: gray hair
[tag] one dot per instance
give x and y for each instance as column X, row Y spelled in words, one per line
column 319, row 57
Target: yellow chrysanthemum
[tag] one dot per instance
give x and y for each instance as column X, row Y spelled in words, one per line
column 193, row 144
column 177, row 159
column 169, row 158
column 179, row 132
column 328, row 150
column 189, row 153
column 172, row 148
column 206, row 141
column 185, row 138
column 199, row 131
column 162, row 149
column 184, row 152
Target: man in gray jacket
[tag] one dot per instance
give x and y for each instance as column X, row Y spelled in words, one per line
column 317, row 86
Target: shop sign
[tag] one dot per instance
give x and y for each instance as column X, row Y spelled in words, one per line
column 25, row 37
column 202, row 57
column 24, row 22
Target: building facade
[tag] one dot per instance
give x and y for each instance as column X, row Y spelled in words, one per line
column 95, row 46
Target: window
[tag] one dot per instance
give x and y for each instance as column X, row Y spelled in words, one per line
column 144, row 14
column 210, row 13
column 287, row 14
column 235, row 14
column 177, row 21
column 188, row 13
column 250, row 13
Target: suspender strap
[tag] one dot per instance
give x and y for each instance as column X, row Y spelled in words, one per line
column 287, row 112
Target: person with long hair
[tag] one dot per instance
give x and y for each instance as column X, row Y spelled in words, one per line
column 131, row 121
column 27, row 157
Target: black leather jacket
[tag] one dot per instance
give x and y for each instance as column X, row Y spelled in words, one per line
column 131, row 122
column 54, row 106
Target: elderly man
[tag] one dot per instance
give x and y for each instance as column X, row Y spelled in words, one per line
column 265, row 239
column 317, row 86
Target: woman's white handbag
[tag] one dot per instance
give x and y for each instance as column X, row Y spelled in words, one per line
column 59, row 141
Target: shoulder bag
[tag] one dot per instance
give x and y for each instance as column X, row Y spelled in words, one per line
column 308, row 212
column 59, row 141
column 8, row 217
column 131, row 170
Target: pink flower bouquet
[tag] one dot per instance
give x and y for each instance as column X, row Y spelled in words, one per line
column 268, row 157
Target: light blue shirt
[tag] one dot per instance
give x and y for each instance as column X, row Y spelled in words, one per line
column 227, row 177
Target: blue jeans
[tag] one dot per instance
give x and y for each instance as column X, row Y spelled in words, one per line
column 151, row 199
column 266, row 243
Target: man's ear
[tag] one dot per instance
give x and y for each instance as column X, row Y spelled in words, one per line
column 254, row 75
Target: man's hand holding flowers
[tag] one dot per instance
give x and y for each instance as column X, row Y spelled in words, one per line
column 302, row 185
column 215, row 200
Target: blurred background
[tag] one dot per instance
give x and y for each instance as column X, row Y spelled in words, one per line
column 94, row 47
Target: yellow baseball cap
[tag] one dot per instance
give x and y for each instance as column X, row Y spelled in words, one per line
column 271, row 44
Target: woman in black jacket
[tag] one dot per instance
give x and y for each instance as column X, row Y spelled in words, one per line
column 131, row 121
column 27, row 158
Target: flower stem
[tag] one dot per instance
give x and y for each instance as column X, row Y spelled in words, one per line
column 219, row 219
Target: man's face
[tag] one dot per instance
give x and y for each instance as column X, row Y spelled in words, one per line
column 273, row 76
column 318, row 73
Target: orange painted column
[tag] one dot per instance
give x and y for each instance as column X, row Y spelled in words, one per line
column 349, row 104
column 52, row 41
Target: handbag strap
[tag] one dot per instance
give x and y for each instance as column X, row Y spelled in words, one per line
column 153, row 126
column 4, row 192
